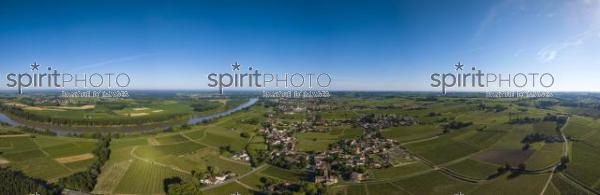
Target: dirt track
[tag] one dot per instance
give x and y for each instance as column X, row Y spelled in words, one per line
column 70, row 159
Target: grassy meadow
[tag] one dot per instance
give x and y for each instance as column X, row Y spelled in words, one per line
column 445, row 160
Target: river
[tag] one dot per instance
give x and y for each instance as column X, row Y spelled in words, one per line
column 191, row 121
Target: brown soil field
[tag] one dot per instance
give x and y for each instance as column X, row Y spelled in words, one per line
column 70, row 159
column 3, row 162
column 500, row 156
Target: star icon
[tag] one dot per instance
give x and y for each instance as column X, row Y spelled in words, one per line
column 236, row 66
column 459, row 66
column 35, row 66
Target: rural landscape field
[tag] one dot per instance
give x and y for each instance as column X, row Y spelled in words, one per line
column 352, row 143
column 299, row 97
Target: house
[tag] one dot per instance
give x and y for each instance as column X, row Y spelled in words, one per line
column 356, row 177
column 215, row 180
column 241, row 156
column 327, row 178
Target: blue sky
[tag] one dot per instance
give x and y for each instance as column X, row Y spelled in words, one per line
column 364, row 45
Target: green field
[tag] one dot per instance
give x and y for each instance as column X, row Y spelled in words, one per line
column 433, row 183
column 151, row 183
column 404, row 170
column 38, row 156
column 314, row 141
column 459, row 160
column 104, row 112
column 407, row 133
column 442, row 150
column 167, row 155
column 473, row 168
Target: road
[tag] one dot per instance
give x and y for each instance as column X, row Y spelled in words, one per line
column 565, row 154
column 174, row 168
column 236, row 179
column 567, row 178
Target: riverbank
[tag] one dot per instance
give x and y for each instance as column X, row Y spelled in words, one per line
column 142, row 128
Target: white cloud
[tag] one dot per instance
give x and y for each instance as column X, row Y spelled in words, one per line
column 547, row 54
column 550, row 52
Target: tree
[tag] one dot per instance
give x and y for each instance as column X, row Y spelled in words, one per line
column 267, row 183
column 86, row 180
column 563, row 163
column 170, row 181
column 244, row 135
column 310, row 188
column 15, row 182
column 212, row 171
column 521, row 167
column 526, row 146
column 361, row 169
column 183, row 188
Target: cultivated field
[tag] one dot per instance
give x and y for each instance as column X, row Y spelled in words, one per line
column 46, row 157
column 450, row 145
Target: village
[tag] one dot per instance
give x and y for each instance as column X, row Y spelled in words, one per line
column 346, row 159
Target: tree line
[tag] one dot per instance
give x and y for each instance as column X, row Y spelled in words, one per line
column 15, row 182
column 18, row 112
column 86, row 180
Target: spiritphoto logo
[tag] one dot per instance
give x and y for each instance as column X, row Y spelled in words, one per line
column 487, row 80
column 296, row 83
column 53, row 78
